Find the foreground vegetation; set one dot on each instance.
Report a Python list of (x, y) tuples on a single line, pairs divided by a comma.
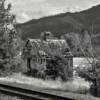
[(93, 76)]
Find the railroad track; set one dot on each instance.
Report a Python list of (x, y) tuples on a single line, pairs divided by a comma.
[(30, 94)]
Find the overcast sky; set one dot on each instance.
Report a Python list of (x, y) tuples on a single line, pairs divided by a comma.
[(30, 9)]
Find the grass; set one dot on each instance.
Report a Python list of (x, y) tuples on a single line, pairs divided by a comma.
[(77, 85), (74, 89)]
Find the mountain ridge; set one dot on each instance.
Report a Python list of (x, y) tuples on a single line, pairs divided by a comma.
[(63, 23)]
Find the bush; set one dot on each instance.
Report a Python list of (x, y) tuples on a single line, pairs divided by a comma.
[(56, 67), (92, 76), (9, 67)]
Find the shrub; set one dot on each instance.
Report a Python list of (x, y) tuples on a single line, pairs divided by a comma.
[(9, 67), (93, 76)]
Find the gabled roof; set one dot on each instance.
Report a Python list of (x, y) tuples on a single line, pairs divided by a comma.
[(56, 42), (48, 47)]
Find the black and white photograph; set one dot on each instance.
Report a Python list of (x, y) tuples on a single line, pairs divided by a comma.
[(49, 49)]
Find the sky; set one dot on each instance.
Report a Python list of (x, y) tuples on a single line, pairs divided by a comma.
[(26, 10)]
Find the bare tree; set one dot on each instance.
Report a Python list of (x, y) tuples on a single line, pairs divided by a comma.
[(92, 75)]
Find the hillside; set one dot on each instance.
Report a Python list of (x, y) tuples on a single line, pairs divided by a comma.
[(63, 23)]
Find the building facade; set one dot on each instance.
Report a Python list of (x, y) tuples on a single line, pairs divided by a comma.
[(37, 53)]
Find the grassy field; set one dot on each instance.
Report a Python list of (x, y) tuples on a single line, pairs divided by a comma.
[(77, 88), (77, 84)]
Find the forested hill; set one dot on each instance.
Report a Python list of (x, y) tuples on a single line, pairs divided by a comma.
[(63, 23)]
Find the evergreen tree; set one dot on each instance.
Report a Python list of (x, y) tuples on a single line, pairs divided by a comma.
[(9, 38)]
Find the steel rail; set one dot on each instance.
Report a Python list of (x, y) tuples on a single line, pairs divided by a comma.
[(31, 94)]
